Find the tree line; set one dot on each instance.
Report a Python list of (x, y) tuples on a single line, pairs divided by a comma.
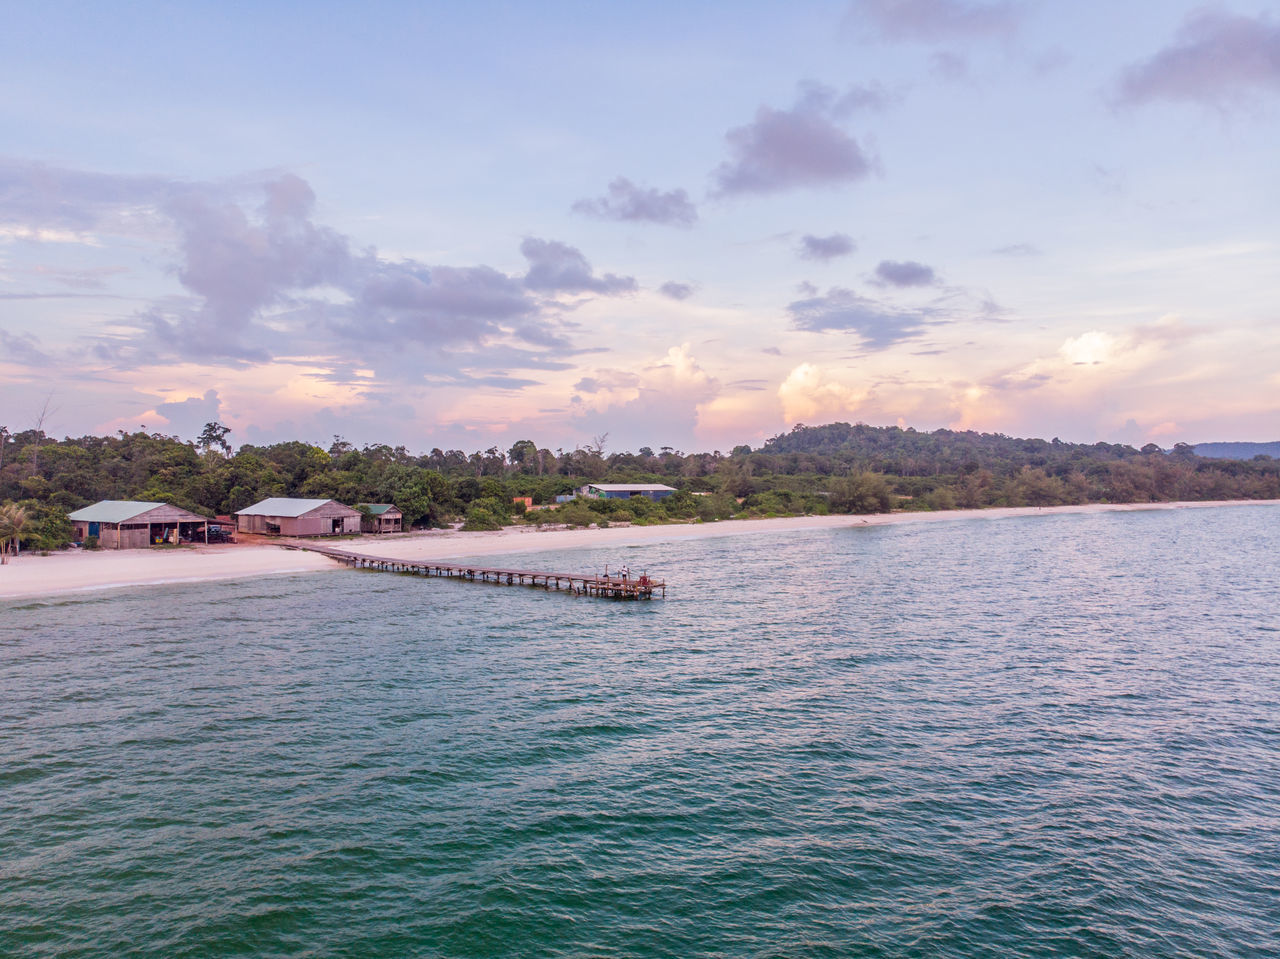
[(836, 467)]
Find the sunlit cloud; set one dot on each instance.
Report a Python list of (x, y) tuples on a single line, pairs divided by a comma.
[(810, 393)]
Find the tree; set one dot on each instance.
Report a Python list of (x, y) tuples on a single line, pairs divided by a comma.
[(13, 520), (523, 454), (861, 493), (215, 434)]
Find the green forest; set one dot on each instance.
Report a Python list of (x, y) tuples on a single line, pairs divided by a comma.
[(836, 468)]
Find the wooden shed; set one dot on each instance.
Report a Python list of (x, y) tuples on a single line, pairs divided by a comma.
[(381, 518), (281, 516), (129, 524)]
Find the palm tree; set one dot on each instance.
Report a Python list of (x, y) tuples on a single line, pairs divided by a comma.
[(13, 519)]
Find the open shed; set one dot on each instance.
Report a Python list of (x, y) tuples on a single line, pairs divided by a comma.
[(282, 516), (130, 524)]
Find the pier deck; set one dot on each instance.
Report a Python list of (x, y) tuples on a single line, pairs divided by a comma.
[(604, 587)]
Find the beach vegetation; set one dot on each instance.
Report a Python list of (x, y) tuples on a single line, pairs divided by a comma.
[(836, 468), (13, 520)]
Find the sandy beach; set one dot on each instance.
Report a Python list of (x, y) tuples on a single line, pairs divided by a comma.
[(32, 575)]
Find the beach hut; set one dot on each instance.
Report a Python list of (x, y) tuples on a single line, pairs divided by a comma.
[(282, 516), (654, 491), (380, 518), (131, 524)]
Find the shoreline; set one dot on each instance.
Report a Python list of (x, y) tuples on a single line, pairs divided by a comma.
[(31, 576)]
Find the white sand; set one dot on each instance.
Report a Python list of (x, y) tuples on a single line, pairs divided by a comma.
[(443, 545), (76, 570), (33, 575)]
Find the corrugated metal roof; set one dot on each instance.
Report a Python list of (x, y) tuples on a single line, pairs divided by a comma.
[(112, 511), (284, 506), (377, 509), (637, 487)]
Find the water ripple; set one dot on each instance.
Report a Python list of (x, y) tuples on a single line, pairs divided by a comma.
[(1046, 737)]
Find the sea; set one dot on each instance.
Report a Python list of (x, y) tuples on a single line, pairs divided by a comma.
[(1052, 735)]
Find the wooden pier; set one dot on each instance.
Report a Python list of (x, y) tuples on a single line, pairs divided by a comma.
[(603, 587)]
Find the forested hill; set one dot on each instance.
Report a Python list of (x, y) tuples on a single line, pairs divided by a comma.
[(1237, 451), (889, 449)]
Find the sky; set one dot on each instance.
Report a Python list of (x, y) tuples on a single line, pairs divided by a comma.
[(683, 224)]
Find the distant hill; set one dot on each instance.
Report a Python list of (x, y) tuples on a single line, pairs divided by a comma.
[(1237, 451), (942, 447)]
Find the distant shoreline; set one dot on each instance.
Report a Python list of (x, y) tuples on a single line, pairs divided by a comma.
[(31, 576)]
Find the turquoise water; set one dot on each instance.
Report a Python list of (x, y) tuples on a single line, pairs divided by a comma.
[(1052, 736)]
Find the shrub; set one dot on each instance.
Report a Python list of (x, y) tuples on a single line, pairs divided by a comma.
[(479, 519)]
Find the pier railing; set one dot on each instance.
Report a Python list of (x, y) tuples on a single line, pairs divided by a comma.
[(580, 584)]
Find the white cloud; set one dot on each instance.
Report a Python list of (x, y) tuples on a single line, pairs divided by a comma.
[(809, 393)]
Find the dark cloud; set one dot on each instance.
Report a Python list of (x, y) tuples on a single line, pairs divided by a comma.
[(440, 305), (826, 247), (556, 267), (772, 351), (932, 21), (1217, 58), (626, 201), (800, 147), (904, 273), (676, 291), (842, 310)]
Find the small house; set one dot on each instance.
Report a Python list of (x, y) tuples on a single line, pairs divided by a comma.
[(282, 516), (132, 524), (380, 518), (654, 491)]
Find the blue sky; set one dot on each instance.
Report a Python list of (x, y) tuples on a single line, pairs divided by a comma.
[(679, 224)]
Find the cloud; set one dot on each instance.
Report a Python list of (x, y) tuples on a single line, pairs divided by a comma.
[(443, 305), (24, 349), (787, 149), (809, 392), (1092, 348), (187, 418), (240, 266), (932, 21), (947, 65), (1217, 58), (676, 291), (556, 267), (842, 310), (607, 381), (659, 406), (1018, 249), (903, 273), (261, 279), (52, 203), (628, 202), (826, 247)]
